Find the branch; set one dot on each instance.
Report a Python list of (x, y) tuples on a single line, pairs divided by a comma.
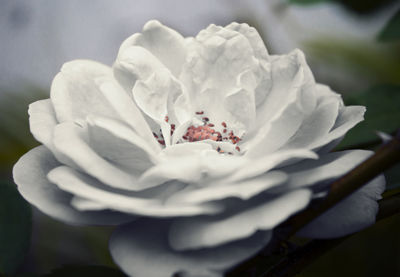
[(385, 157), (303, 256)]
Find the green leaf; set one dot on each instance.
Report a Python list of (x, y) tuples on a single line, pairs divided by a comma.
[(15, 228), (383, 114), (391, 31), (85, 270)]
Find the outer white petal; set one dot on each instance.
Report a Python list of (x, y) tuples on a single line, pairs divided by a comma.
[(195, 168), (84, 186), (319, 122), (328, 167), (255, 167), (30, 176), (352, 214), (164, 43), (141, 249), (42, 120), (348, 117), (199, 232), (242, 189), (70, 140), (120, 144), (75, 94)]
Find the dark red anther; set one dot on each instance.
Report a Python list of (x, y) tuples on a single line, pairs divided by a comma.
[(206, 119), (173, 126), (162, 142), (224, 130), (166, 118), (223, 124), (200, 112), (154, 134), (237, 148), (210, 125)]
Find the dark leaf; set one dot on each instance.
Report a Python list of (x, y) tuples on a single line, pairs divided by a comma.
[(85, 270), (15, 228), (383, 114), (391, 31)]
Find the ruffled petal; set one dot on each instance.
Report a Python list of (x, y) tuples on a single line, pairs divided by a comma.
[(196, 168), (243, 190), (351, 215), (253, 37), (42, 121), (141, 249), (157, 97), (75, 93), (255, 167), (199, 232), (124, 105), (119, 144), (134, 63), (319, 122), (30, 176), (327, 168), (71, 141), (348, 117), (164, 43), (87, 187), (289, 74)]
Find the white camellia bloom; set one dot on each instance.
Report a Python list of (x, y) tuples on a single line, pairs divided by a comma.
[(200, 145)]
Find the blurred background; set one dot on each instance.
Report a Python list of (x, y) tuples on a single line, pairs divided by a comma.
[(353, 46)]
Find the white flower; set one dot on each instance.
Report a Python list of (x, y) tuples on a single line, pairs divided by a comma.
[(203, 144)]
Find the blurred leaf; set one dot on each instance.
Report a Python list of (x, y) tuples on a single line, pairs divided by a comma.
[(391, 31), (16, 226), (356, 6), (15, 137), (383, 114), (85, 270), (365, 6), (373, 63)]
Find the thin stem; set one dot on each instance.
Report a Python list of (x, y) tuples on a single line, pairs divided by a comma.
[(303, 256), (385, 157)]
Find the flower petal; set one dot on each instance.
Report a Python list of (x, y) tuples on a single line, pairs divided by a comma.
[(198, 232), (348, 117), (157, 95), (75, 94), (164, 43), (141, 249), (42, 121), (255, 167), (328, 167), (70, 140), (30, 176), (124, 105), (319, 122), (84, 186), (134, 63), (352, 214), (243, 189), (119, 144), (254, 38)]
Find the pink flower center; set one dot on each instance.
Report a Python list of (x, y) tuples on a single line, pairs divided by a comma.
[(204, 132)]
